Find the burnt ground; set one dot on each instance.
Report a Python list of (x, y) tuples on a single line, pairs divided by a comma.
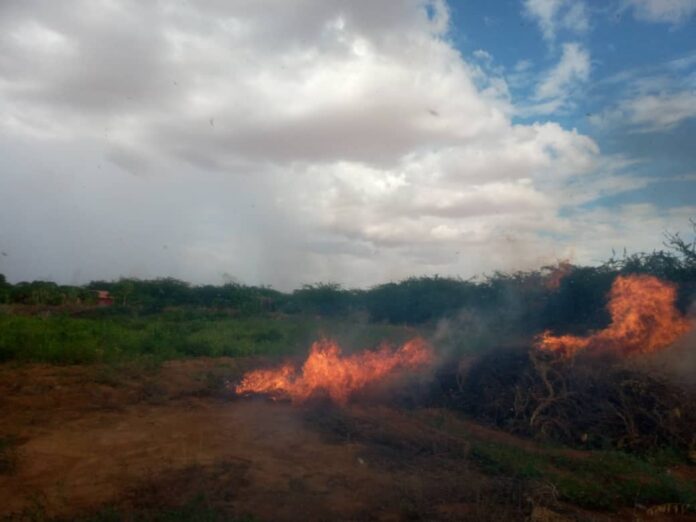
[(138, 439)]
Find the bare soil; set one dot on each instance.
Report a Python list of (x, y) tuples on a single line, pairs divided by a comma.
[(93, 436), (136, 437)]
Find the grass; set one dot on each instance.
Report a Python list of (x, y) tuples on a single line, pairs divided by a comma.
[(175, 334), (502, 459), (598, 480)]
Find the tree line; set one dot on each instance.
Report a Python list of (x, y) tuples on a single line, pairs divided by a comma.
[(527, 298)]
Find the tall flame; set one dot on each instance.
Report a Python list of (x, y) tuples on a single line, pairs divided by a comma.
[(644, 319), (339, 376)]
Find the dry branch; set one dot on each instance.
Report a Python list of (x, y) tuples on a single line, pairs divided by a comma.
[(585, 401)]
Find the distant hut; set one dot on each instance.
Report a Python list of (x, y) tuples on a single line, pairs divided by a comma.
[(104, 298)]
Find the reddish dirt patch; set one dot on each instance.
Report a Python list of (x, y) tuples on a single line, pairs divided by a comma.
[(93, 459), (137, 437), (85, 443)]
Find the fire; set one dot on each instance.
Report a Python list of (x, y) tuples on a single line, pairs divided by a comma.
[(339, 376), (644, 319)]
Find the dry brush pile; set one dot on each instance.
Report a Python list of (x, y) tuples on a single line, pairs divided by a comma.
[(586, 401)]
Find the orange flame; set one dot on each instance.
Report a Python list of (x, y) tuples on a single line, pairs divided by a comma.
[(643, 320), (325, 369)]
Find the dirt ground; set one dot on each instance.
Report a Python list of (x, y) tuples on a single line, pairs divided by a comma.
[(142, 437), (93, 436)]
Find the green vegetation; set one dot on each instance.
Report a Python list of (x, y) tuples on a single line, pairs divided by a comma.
[(175, 334), (166, 318), (600, 480)]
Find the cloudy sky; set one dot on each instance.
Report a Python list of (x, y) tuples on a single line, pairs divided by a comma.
[(285, 142)]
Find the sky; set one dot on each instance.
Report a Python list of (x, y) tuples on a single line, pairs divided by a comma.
[(283, 143)]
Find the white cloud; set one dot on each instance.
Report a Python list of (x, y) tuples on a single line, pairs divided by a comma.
[(576, 18), (557, 86), (650, 112), (651, 99), (591, 236), (574, 66), (333, 140), (523, 65), (661, 112), (545, 13), (663, 11), (555, 15), (483, 55)]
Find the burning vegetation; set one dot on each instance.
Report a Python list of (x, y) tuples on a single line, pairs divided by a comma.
[(583, 391), (421, 424), (578, 390), (644, 319), (327, 371)]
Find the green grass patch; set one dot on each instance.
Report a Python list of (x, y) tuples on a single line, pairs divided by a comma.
[(501, 459), (175, 334), (598, 480)]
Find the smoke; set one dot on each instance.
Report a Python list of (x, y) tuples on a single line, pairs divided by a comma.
[(471, 332), (463, 333), (679, 361)]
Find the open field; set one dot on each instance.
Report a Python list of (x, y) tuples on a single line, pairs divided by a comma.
[(170, 442), (59, 338), (564, 394)]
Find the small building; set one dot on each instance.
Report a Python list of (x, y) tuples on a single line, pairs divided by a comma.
[(104, 298)]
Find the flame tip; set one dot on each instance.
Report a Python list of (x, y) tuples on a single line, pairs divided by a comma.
[(644, 319)]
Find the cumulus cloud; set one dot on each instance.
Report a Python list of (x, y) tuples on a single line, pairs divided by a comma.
[(331, 140), (555, 15), (663, 11)]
